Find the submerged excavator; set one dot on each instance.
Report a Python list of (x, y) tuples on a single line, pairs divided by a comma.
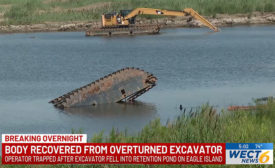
[(124, 21)]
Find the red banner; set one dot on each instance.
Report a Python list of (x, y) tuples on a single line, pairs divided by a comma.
[(109, 153)]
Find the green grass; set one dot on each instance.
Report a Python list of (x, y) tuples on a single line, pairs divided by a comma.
[(206, 126), (2, 9), (39, 11), (203, 125), (10, 1)]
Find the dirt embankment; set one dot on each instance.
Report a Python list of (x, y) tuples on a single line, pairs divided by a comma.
[(221, 20)]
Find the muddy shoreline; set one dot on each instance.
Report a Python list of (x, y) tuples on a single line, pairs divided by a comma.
[(220, 20)]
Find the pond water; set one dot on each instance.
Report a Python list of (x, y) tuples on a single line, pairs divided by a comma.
[(193, 67)]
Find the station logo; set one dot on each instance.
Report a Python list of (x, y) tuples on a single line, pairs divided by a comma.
[(249, 153)]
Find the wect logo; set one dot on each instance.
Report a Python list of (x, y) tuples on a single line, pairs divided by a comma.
[(249, 153), (250, 156)]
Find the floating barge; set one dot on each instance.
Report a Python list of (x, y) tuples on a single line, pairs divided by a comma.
[(262, 102), (132, 30), (123, 85)]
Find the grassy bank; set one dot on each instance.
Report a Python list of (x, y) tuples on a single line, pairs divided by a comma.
[(41, 11), (204, 125)]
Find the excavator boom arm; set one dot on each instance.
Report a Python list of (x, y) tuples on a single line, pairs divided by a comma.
[(197, 16), (185, 12), (151, 11)]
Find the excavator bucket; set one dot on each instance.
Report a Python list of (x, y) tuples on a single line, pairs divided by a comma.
[(124, 85)]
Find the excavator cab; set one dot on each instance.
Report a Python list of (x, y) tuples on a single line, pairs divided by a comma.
[(109, 19), (117, 19)]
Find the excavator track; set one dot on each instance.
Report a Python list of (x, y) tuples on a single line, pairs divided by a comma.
[(130, 30), (123, 85)]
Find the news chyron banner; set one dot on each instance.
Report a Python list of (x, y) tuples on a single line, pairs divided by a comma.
[(74, 149)]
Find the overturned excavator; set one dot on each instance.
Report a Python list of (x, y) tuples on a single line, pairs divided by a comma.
[(124, 85), (124, 21)]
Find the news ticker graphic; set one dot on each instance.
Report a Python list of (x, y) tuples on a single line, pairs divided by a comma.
[(74, 149)]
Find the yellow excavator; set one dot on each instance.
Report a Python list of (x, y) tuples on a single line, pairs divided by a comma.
[(124, 21)]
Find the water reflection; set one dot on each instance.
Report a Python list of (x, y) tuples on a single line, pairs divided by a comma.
[(133, 110), (93, 119)]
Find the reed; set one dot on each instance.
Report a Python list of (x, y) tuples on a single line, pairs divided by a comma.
[(39, 11), (204, 125)]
